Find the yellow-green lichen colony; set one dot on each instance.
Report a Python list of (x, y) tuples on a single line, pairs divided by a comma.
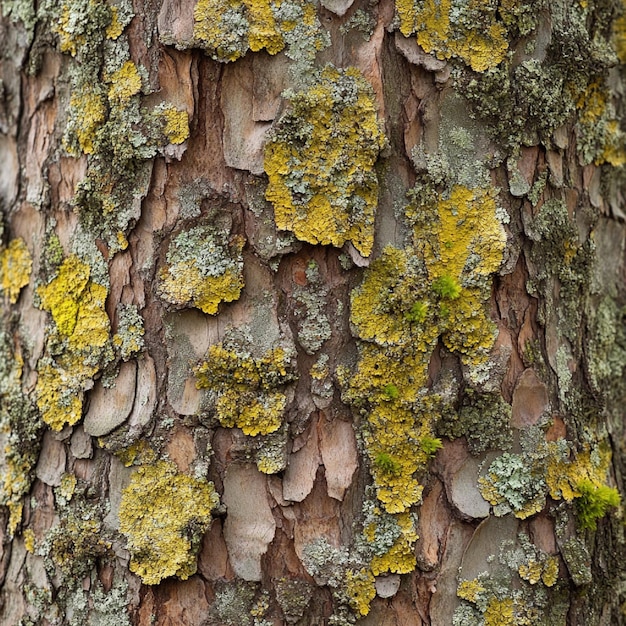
[(78, 342), (15, 268), (249, 391), (320, 162), (203, 269), (473, 32), (163, 514)]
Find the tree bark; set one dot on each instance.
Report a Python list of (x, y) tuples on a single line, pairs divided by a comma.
[(312, 312)]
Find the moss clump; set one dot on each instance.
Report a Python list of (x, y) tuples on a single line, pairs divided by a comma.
[(320, 162), (594, 502), (203, 269), (78, 342), (181, 504), (249, 391), (15, 268)]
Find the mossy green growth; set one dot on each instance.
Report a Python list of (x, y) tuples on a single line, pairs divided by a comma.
[(163, 514), (78, 342), (15, 268), (203, 269), (472, 32), (320, 161), (249, 391), (594, 502), (521, 482)]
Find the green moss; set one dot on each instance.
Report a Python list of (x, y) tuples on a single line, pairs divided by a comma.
[(182, 503), (594, 502), (446, 287), (320, 161)]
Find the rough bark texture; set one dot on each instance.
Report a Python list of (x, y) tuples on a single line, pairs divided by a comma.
[(312, 313)]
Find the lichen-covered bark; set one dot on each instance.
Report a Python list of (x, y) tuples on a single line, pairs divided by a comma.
[(312, 312)]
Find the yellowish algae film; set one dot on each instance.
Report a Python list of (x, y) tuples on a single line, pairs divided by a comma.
[(203, 269), (479, 39), (250, 392), (163, 514), (320, 162), (81, 336), (15, 268)]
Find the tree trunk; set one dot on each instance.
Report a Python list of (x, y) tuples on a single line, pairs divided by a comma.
[(312, 313)]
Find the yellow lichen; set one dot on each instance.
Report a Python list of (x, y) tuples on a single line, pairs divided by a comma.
[(176, 124), (124, 83), (15, 268), (203, 269), (89, 113), (183, 283), (444, 31), (408, 300), (470, 589), (320, 162), (29, 540), (360, 590), (563, 475), (81, 323), (67, 487), (400, 558), (115, 28), (550, 572), (228, 28), (64, 28), (499, 612), (163, 514), (531, 571), (249, 391)]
